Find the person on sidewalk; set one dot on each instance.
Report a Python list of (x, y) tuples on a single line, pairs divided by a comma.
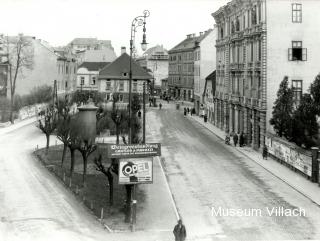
[(265, 152), (235, 139), (160, 106), (179, 231), (185, 111), (241, 140), (188, 110)]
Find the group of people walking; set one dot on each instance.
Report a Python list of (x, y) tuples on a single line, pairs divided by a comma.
[(237, 137), (188, 111)]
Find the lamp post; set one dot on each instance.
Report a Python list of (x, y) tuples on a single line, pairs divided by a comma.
[(136, 22)]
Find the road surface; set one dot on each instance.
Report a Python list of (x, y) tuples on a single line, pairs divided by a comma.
[(206, 176)]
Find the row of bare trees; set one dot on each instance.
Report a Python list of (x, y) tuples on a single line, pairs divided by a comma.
[(60, 121)]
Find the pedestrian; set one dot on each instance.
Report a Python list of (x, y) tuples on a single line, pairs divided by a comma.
[(179, 231), (235, 139), (168, 99), (265, 152), (185, 111), (160, 106), (188, 110), (241, 140)]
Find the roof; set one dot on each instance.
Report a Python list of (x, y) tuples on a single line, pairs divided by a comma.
[(84, 41), (190, 42), (118, 67), (93, 66), (211, 76), (101, 55)]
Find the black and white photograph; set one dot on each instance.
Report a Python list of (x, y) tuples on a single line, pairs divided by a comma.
[(149, 120)]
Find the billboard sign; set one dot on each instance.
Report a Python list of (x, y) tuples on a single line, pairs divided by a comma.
[(136, 171), (134, 150)]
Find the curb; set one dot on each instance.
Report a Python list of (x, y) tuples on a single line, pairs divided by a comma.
[(267, 169)]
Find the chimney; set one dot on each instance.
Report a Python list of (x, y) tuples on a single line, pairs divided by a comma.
[(123, 50), (193, 35), (200, 33), (188, 36)]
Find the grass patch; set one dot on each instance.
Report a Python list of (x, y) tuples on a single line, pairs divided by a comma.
[(96, 193)]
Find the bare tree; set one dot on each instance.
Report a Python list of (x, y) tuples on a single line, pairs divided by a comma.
[(20, 56), (48, 124)]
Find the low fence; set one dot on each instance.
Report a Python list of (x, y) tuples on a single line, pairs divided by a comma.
[(295, 157)]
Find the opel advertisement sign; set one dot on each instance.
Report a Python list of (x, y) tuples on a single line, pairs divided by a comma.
[(135, 171)]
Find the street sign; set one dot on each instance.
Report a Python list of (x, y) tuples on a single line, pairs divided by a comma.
[(133, 150), (136, 171)]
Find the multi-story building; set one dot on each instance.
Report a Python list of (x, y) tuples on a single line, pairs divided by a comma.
[(48, 65), (87, 75), (182, 59), (114, 78), (208, 93), (204, 63), (156, 60), (259, 42)]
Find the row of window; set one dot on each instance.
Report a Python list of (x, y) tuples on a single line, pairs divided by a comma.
[(185, 56), (252, 17), (66, 69), (179, 68), (121, 86), (93, 80)]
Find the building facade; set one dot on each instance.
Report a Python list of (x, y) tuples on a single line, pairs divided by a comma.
[(4, 67), (87, 75), (114, 79), (156, 60), (259, 42), (208, 94), (204, 64), (181, 69)]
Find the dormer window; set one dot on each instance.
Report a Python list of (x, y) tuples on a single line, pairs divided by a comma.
[(124, 74)]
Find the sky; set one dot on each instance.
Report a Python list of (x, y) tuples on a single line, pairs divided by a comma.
[(60, 21)]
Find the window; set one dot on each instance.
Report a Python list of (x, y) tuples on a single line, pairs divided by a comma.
[(124, 74), (108, 85), (81, 80), (296, 13), (135, 87), (259, 50), (67, 69), (93, 80), (254, 15), (121, 87), (297, 91), (297, 53), (120, 97)]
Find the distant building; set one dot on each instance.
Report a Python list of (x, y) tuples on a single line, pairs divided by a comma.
[(208, 93), (80, 44), (114, 78), (156, 60), (164, 87), (48, 65), (4, 67), (259, 42), (87, 75), (182, 66), (204, 63)]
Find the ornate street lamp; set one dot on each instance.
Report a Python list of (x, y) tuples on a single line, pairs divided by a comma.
[(137, 21)]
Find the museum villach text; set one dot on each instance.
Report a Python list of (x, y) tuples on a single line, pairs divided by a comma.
[(257, 212)]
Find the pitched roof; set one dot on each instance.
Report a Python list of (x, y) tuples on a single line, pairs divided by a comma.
[(190, 42), (211, 76), (118, 67), (93, 66), (84, 41)]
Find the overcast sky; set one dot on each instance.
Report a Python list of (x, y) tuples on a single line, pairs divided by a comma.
[(60, 21)]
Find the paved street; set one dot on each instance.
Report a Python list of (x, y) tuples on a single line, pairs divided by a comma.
[(203, 173)]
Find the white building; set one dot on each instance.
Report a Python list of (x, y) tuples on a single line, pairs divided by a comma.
[(87, 75), (204, 63), (259, 42)]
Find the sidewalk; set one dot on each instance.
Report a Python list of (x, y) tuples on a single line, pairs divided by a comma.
[(293, 179), (17, 125)]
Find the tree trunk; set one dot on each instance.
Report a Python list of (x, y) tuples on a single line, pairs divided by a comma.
[(110, 180), (85, 159), (63, 154), (72, 151), (128, 203), (11, 110), (48, 142)]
